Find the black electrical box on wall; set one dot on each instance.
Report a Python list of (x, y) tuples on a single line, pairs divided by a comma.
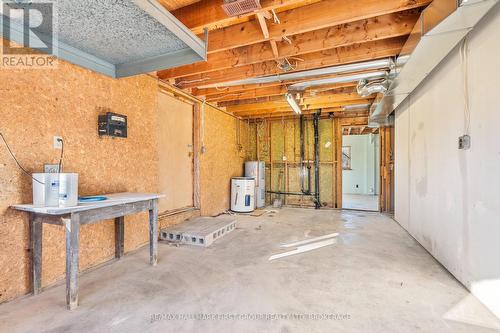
[(113, 124)]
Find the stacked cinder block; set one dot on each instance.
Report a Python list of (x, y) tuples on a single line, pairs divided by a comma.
[(201, 231)]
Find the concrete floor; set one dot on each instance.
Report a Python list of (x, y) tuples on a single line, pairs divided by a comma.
[(360, 202), (376, 279)]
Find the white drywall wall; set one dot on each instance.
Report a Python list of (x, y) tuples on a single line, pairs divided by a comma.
[(364, 171), (449, 199)]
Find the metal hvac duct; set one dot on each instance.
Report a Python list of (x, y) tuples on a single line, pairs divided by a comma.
[(441, 26), (365, 88), (356, 107), (339, 79), (360, 66)]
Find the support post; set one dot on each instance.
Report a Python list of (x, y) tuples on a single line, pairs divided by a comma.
[(153, 232), (72, 226), (196, 155), (119, 236), (36, 236), (338, 158)]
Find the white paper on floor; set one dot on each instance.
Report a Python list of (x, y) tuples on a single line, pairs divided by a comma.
[(471, 311), (310, 240), (304, 248)]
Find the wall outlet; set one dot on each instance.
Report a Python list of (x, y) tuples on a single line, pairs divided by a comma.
[(51, 168), (58, 142), (464, 142)]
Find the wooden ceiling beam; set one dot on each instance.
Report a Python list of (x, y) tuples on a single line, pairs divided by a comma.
[(310, 105), (332, 57), (257, 94), (383, 27), (304, 100), (323, 14), (257, 90), (209, 13), (287, 115)]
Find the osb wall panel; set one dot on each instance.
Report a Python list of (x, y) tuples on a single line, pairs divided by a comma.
[(35, 106), (279, 141), (167, 221), (223, 158)]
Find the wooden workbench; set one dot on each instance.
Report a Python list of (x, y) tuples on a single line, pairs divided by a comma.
[(116, 206)]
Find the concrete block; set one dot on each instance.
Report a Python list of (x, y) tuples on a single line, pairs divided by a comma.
[(201, 231)]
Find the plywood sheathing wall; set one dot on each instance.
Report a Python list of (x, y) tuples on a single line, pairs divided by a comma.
[(38, 104), (35, 106), (223, 158)]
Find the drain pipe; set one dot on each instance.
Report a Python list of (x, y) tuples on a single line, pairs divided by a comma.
[(302, 167), (316, 159)]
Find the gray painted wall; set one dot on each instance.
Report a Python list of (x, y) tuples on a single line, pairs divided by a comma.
[(449, 199)]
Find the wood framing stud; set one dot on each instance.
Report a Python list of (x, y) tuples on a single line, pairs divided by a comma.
[(274, 47), (263, 25)]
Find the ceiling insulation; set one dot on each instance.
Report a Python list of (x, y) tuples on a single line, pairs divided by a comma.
[(118, 38)]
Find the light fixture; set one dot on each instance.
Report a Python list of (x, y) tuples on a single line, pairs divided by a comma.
[(293, 103), (356, 106)]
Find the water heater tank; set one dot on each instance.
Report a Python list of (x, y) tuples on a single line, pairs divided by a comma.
[(242, 194), (257, 170)]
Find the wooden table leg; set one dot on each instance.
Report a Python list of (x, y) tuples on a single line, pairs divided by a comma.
[(72, 250), (36, 237), (119, 236), (153, 232)]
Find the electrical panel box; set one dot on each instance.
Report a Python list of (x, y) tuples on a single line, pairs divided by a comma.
[(112, 124)]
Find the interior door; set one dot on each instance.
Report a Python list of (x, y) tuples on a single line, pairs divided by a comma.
[(175, 126)]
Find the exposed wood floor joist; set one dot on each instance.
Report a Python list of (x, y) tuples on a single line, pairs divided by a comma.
[(289, 36)]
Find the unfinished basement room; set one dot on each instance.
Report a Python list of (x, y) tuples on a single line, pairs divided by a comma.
[(250, 166)]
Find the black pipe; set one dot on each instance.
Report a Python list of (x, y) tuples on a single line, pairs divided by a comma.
[(316, 159), (290, 193), (308, 178)]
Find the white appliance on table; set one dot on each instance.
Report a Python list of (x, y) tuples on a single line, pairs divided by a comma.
[(55, 189)]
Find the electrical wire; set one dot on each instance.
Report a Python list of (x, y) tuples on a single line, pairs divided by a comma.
[(202, 130), (17, 162), (59, 169), (464, 62)]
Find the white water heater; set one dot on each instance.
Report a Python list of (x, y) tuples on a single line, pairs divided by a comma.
[(257, 170), (242, 194)]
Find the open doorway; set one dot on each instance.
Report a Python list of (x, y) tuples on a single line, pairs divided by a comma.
[(360, 168)]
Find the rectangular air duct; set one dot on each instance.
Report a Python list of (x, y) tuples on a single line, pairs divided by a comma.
[(115, 38), (442, 25)]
